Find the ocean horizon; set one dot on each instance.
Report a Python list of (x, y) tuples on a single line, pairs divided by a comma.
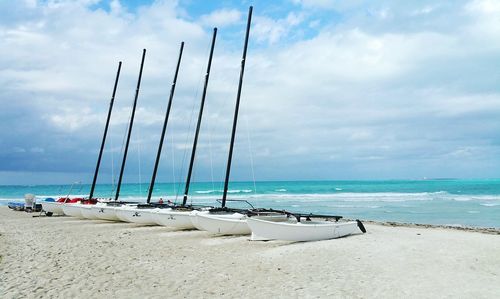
[(456, 202)]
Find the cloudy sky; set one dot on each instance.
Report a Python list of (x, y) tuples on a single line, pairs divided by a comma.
[(333, 89)]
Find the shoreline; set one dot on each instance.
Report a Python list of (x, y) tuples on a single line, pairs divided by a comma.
[(483, 230), (68, 257)]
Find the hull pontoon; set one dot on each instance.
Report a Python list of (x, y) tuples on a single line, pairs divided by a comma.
[(88, 212), (133, 214), (289, 230), (52, 207), (72, 209), (178, 219), (105, 212), (224, 224)]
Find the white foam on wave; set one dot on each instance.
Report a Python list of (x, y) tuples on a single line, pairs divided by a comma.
[(206, 191), (240, 191), (490, 204), (377, 197), (213, 195), (281, 190), (339, 189), (354, 206)]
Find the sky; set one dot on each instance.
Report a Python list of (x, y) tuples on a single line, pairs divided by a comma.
[(333, 90)]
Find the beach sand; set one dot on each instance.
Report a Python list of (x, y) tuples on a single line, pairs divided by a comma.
[(64, 257)]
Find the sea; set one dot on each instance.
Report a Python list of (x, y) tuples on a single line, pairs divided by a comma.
[(466, 203)]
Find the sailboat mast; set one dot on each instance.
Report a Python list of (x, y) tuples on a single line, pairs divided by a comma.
[(130, 126), (193, 153), (158, 154), (235, 120), (92, 188)]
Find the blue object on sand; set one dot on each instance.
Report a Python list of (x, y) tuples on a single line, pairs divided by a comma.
[(18, 206)]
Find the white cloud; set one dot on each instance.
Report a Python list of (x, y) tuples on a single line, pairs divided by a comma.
[(328, 4), (221, 18), (485, 6), (424, 10), (273, 30)]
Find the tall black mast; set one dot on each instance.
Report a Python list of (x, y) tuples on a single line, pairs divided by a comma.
[(105, 131), (207, 75), (130, 127), (158, 154), (235, 120)]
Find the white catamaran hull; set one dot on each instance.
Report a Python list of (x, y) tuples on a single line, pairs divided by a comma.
[(174, 218), (194, 219), (135, 215), (224, 224), (300, 231), (87, 212), (52, 207), (72, 209), (104, 212)]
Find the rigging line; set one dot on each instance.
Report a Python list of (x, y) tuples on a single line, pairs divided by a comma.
[(173, 161), (181, 174), (250, 151), (111, 150), (210, 153), (112, 165), (186, 145), (139, 159), (123, 145)]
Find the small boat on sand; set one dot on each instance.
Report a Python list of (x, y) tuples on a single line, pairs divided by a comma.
[(145, 213), (179, 216), (52, 206), (302, 228), (134, 214), (223, 220)]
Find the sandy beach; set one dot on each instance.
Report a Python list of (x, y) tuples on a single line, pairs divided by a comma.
[(63, 257)]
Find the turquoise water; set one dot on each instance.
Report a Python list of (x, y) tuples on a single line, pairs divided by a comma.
[(450, 202)]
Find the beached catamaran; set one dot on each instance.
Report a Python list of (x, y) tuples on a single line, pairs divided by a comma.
[(71, 206), (52, 206), (268, 224), (223, 220), (179, 216), (87, 210), (107, 210), (143, 213)]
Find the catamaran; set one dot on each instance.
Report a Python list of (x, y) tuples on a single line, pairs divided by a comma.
[(63, 205), (88, 211), (223, 220), (144, 213), (179, 216), (52, 206), (268, 224), (303, 227), (122, 210), (81, 207)]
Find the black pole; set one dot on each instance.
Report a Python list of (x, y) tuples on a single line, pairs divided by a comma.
[(235, 120), (193, 153), (158, 154), (130, 127), (92, 188)]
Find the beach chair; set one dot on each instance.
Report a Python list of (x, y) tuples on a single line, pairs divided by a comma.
[(29, 202)]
